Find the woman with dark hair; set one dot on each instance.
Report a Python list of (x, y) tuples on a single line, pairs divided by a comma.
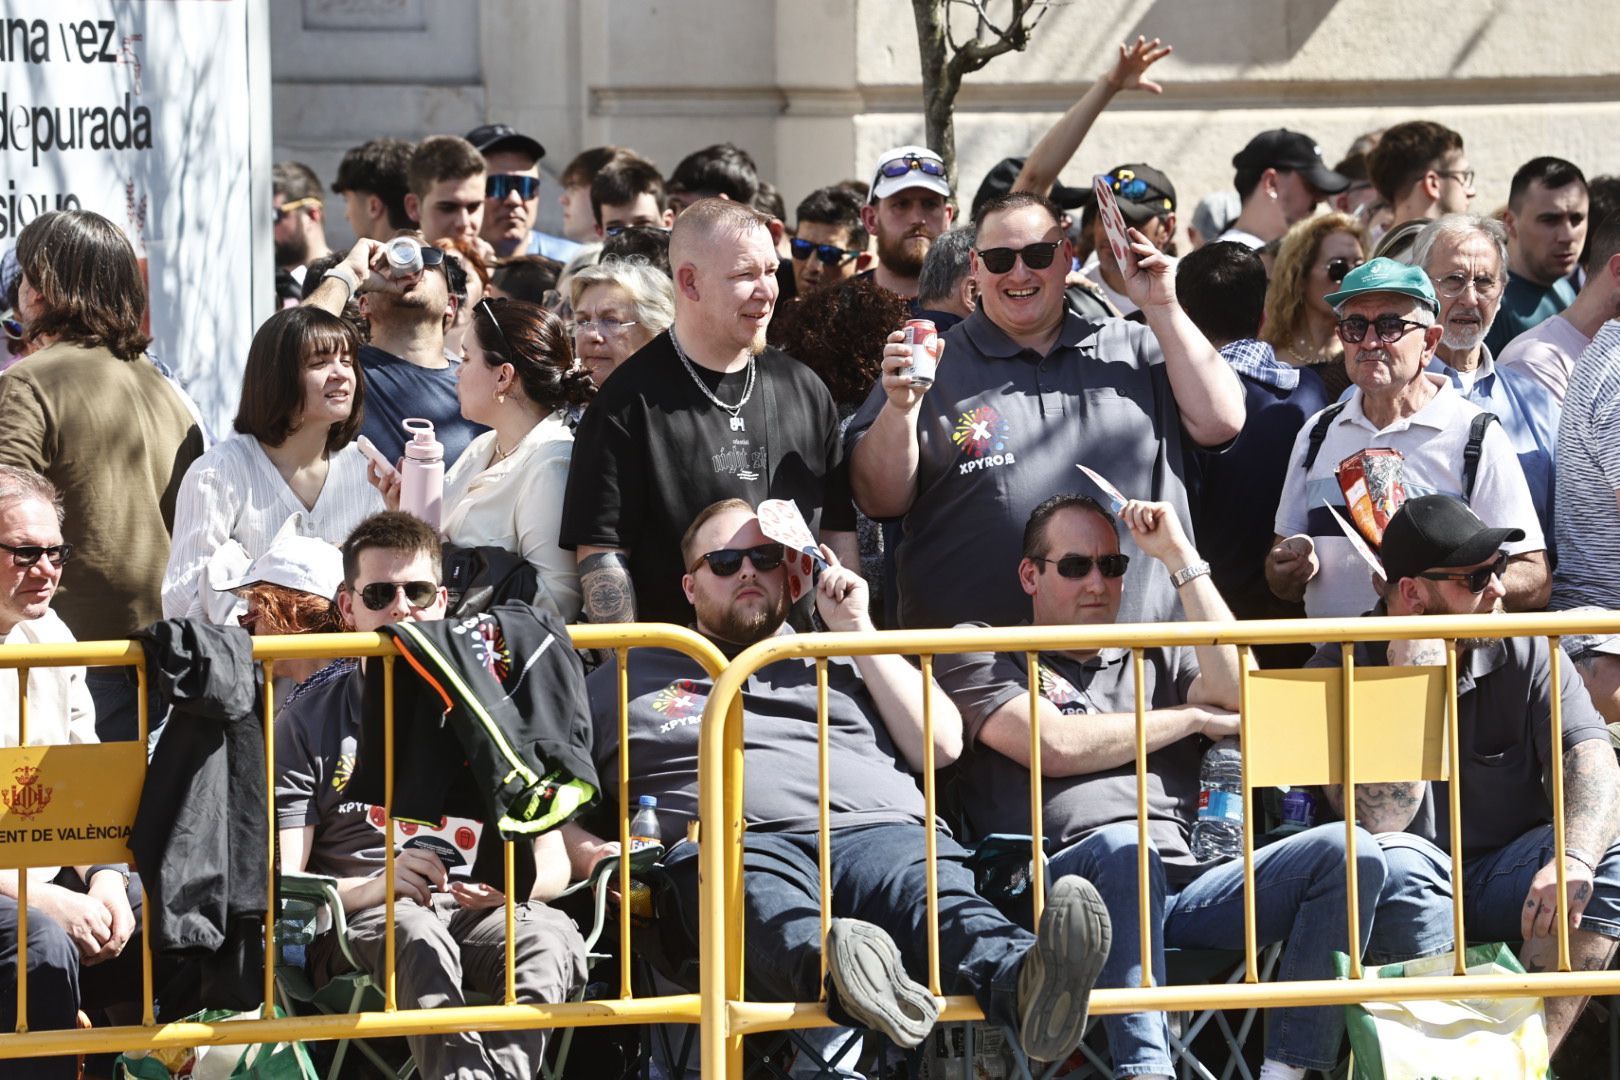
[(292, 454), (518, 378)]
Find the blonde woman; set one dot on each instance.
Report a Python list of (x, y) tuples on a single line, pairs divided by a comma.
[(1315, 256)]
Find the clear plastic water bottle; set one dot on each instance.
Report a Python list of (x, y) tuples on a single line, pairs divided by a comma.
[(644, 826), (1218, 832)]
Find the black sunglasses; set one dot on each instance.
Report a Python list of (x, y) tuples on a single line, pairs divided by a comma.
[(1035, 256), (380, 594), (619, 229), (29, 554), (831, 254), (501, 185), (1476, 580), (901, 166), (1389, 328), (1078, 566), (727, 561), (1338, 267)]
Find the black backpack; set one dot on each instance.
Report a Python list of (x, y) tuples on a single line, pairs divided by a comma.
[(1471, 449), (478, 578)]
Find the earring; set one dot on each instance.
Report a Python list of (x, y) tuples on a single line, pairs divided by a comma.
[(500, 399)]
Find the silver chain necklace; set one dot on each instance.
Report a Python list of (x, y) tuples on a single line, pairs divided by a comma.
[(733, 411)]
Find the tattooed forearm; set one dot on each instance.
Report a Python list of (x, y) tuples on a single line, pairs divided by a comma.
[(1591, 795), (604, 579), (1380, 807)]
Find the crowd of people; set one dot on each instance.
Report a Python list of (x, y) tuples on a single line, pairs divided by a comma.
[(615, 403)]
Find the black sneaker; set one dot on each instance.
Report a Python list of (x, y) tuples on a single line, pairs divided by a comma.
[(873, 986), (1055, 979)]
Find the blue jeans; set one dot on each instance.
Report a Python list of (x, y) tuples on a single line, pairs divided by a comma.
[(879, 874), (1299, 900)]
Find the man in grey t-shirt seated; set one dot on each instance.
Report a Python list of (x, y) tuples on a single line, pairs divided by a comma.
[(449, 926), (736, 579), (1073, 572)]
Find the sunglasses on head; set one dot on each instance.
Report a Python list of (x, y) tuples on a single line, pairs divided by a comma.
[(831, 254), (1338, 267), (296, 204), (1128, 186), (1389, 328), (29, 554), (1035, 256), (379, 595), (901, 166), (727, 561), (1078, 566), (1475, 581), (501, 185), (489, 312)]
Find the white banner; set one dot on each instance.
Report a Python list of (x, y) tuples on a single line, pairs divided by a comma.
[(155, 114)]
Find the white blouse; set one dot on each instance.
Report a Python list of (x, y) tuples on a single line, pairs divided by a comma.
[(516, 504), (233, 492)]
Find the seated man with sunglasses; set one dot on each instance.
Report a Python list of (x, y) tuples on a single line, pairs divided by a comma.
[(1441, 559), (1074, 573), (449, 929), (1037, 985), (1388, 314)]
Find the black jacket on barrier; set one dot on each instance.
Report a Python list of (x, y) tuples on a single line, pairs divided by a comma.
[(200, 833), (516, 750)]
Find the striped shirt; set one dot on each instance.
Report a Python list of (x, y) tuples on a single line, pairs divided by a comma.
[(1587, 517)]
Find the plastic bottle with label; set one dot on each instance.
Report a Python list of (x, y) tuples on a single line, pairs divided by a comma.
[(644, 826), (421, 486), (1218, 832)]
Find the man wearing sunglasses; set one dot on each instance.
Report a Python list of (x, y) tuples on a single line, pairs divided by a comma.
[(1441, 559), (1387, 321), (908, 206), (512, 194), (1073, 572), (830, 240), (452, 926), (1035, 984)]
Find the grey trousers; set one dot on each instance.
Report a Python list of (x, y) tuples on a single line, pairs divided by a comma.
[(444, 950)]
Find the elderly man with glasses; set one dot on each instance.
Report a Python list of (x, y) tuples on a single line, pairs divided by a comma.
[(1388, 314)]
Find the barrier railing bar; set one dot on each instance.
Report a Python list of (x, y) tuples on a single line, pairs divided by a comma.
[(1251, 964), (1555, 689), (622, 683), (388, 834), (1143, 911), (930, 841), (1352, 898), (1454, 809), (1037, 827), (823, 827), (22, 872), (143, 721), (510, 870), (269, 1005)]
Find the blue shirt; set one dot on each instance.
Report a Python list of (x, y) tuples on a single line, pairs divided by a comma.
[(397, 389), (552, 247)]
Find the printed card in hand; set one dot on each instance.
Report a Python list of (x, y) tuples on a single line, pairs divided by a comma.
[(1113, 221), (780, 520), (1116, 501), (1357, 542)]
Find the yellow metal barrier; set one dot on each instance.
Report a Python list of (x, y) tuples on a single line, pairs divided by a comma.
[(726, 1014), (109, 776)]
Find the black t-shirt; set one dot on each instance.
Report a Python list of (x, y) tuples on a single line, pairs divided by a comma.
[(652, 451)]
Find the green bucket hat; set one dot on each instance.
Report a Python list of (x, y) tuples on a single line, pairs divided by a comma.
[(1385, 275)]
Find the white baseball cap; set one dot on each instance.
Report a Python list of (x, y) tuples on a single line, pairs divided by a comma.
[(306, 563), (909, 167)]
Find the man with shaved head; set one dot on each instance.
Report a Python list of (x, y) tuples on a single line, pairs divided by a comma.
[(704, 412)]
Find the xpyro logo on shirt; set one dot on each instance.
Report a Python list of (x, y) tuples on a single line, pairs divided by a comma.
[(681, 702), (982, 435)]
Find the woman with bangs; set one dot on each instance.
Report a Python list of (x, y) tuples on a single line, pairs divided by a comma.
[(1315, 256), (293, 454)]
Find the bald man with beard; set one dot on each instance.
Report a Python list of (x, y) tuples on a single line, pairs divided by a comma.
[(704, 412)]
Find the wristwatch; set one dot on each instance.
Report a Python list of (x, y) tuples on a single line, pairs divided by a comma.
[(345, 275), (1188, 572)]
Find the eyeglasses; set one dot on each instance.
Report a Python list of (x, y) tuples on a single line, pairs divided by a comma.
[(1079, 566), (1475, 581), (831, 254), (727, 561), (501, 185), (1389, 328), (1452, 285), (1035, 256), (288, 207), (1465, 177), (1338, 267), (909, 163), (603, 325), (618, 227), (379, 595), (1127, 185), (29, 554)]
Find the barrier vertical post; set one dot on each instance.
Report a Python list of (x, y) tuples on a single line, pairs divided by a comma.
[(823, 830), (388, 834), (1037, 873), (508, 853), (1251, 964), (622, 684), (22, 872), (1352, 898), (143, 722), (1143, 911), (930, 839), (1556, 742), (1454, 809), (269, 1007)]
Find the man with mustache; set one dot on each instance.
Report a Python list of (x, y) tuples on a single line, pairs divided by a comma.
[(909, 205)]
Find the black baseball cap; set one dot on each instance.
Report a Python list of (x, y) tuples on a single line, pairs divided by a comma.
[(1438, 532), (999, 181), (494, 138), (1284, 149), (1142, 192)]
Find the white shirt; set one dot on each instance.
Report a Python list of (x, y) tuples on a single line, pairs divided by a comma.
[(1242, 236), (1431, 442), (1546, 353), (233, 492), (516, 504), (1093, 271)]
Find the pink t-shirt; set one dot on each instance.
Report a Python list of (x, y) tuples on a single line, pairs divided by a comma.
[(1546, 353)]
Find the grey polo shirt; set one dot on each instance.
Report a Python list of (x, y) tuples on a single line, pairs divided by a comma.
[(1003, 428), (1504, 716)]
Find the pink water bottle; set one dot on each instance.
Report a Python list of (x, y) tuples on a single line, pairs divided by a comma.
[(421, 489)]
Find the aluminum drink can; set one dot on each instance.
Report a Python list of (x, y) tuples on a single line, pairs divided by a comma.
[(404, 256), (922, 336)]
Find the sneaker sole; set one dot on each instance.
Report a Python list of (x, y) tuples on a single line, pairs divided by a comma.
[(873, 986), (1055, 980)]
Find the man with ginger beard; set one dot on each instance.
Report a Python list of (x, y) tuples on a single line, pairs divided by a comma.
[(703, 412), (910, 205)]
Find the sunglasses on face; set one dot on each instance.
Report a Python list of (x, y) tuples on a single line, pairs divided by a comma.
[(1338, 267), (727, 561), (1389, 328), (29, 554), (830, 254), (1035, 256), (1079, 566), (379, 595), (1475, 581), (286, 208), (501, 185), (901, 166)]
